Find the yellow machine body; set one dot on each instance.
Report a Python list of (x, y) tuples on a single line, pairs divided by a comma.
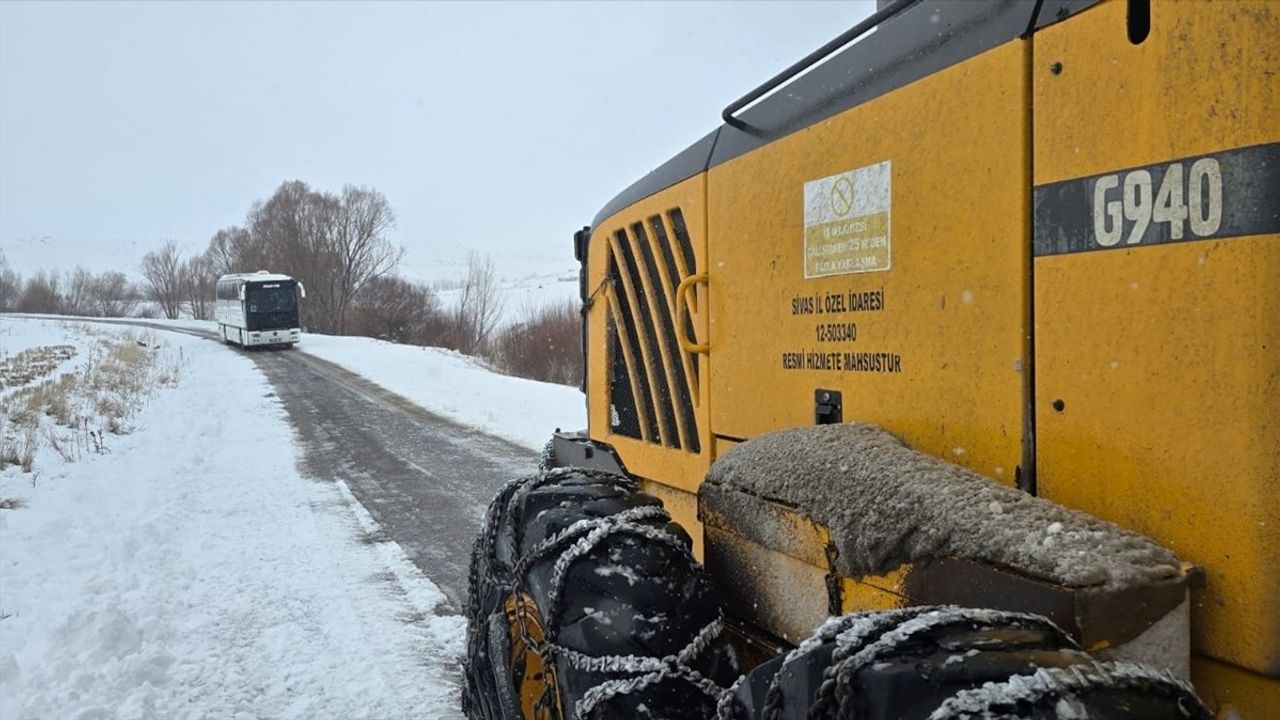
[(1055, 262)]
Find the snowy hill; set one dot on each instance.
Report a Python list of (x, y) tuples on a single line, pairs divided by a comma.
[(30, 255)]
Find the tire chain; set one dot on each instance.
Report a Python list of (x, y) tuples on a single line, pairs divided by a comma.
[(727, 706), (857, 648), (547, 457), (586, 534), (1048, 682), (828, 632), (861, 638)]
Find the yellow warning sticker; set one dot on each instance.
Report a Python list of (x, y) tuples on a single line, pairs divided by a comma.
[(846, 222)]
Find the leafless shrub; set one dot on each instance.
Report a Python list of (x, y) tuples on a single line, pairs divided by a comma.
[(392, 308), (546, 344), (66, 452), (41, 294), (10, 449), (27, 452), (8, 453)]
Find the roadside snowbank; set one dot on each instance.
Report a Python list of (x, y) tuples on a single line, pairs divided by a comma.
[(192, 572), (459, 387)]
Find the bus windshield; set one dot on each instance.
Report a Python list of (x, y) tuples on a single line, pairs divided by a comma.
[(269, 298)]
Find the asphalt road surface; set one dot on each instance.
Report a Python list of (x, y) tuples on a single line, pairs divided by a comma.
[(426, 480)]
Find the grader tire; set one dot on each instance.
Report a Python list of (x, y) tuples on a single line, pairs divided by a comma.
[(585, 602), (948, 663)]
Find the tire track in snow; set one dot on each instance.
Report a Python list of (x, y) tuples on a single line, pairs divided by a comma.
[(424, 480)]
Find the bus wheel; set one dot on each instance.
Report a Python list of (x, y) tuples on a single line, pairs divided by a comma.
[(585, 602), (948, 663)]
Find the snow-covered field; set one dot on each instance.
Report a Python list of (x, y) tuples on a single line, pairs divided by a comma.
[(168, 578), (16, 336)]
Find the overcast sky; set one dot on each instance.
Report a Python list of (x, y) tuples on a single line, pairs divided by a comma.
[(495, 126)]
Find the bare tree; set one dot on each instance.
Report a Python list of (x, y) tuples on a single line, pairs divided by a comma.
[(165, 279), (10, 286), (335, 244), (479, 307), (77, 298), (228, 250), (299, 230), (363, 252), (114, 295), (199, 286), (278, 231)]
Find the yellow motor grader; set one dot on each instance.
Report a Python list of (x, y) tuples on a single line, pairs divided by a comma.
[(941, 380)]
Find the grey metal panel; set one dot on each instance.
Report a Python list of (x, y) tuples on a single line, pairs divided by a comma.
[(924, 39), (1057, 10), (575, 449), (689, 162)]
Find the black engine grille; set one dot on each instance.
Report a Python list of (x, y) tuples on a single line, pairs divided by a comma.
[(652, 381)]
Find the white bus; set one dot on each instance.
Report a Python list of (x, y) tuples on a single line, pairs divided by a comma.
[(259, 309)]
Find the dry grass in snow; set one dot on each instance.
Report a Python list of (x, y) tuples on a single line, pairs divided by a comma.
[(75, 412)]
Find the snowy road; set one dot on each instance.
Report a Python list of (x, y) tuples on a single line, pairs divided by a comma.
[(424, 479), (192, 567)]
